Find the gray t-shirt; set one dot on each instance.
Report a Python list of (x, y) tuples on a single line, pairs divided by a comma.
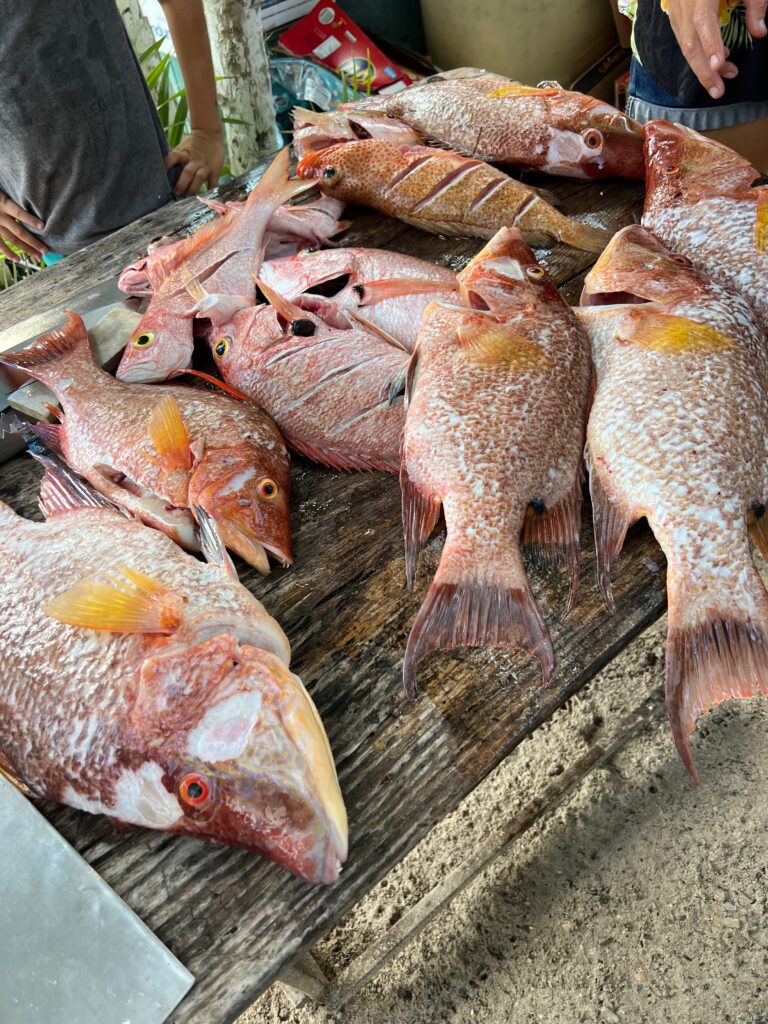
[(81, 145)]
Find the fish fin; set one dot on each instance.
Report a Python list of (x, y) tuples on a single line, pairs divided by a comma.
[(169, 435), (451, 228), (373, 328), (516, 89), (61, 490), (579, 235), (212, 543), (274, 187), (221, 384), (394, 387), (9, 772), (213, 204), (673, 335), (344, 461), (51, 435), (373, 292), (288, 310), (553, 535), (470, 604), (611, 523), (65, 342), (420, 513), (192, 285), (758, 532), (125, 601), (492, 344), (761, 221)]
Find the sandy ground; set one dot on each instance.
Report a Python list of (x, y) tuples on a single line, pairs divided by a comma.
[(642, 899)]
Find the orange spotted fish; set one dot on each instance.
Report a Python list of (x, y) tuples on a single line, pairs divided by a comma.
[(546, 129), (443, 192), (700, 202), (494, 432), (677, 435), (158, 451), (141, 683)]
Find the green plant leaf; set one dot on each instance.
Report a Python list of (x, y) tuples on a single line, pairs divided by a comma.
[(143, 57), (157, 72), (235, 120)]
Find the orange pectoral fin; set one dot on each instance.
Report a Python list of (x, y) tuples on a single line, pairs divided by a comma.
[(169, 435), (493, 344), (761, 223), (673, 335), (373, 292), (124, 602), (517, 89)]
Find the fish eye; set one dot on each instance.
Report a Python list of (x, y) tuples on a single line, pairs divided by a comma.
[(194, 789), (671, 168), (536, 271), (143, 340), (221, 348), (303, 328), (331, 174), (682, 260), (268, 488), (593, 138)]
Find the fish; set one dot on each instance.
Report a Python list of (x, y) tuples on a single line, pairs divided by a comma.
[(336, 394), (700, 202), (443, 192), (388, 289), (677, 435), (290, 229), (143, 684), (159, 451), (496, 392), (313, 131), (546, 129), (225, 253)]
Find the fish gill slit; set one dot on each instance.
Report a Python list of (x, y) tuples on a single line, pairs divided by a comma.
[(485, 193), (326, 379), (453, 177)]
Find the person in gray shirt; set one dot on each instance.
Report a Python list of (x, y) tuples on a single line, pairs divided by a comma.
[(82, 150)]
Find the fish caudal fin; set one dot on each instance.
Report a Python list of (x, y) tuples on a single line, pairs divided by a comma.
[(541, 224), (717, 645), (552, 535), (470, 605), (275, 187), (44, 358), (610, 523), (583, 236)]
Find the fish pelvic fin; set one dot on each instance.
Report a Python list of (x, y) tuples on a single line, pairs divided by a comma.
[(125, 601), (420, 513), (44, 358), (552, 535), (611, 522), (469, 606)]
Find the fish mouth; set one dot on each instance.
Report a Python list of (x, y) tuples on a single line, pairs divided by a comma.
[(243, 544), (611, 299), (143, 373)]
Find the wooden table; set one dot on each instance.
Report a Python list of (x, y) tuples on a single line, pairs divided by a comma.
[(234, 920)]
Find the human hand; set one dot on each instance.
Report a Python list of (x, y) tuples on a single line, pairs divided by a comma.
[(11, 230), (697, 29), (201, 156)]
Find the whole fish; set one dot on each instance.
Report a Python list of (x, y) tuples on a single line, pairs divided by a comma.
[(494, 432), (225, 253), (677, 434), (334, 393), (145, 685), (443, 192), (314, 131), (545, 129), (290, 229), (158, 451), (387, 288), (699, 202)]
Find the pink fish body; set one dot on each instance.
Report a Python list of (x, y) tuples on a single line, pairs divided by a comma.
[(443, 192), (677, 434), (388, 289), (145, 685), (158, 451), (497, 401), (699, 202), (545, 129), (315, 131)]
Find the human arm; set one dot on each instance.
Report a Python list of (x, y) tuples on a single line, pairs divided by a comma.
[(697, 30), (201, 153), (12, 220)]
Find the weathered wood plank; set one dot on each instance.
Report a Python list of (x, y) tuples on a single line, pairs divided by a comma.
[(233, 920)]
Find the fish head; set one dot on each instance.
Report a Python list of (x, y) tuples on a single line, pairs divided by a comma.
[(246, 488), (134, 280), (161, 346), (592, 139), (636, 267), (317, 131), (684, 167), (505, 274), (248, 332), (242, 753), (352, 170)]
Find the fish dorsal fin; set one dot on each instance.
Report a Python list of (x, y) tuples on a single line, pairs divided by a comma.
[(211, 542), (515, 89), (672, 335), (761, 221), (125, 601), (9, 772), (495, 344), (169, 435), (372, 292), (373, 328)]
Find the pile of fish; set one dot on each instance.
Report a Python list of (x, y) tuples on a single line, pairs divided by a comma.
[(160, 692)]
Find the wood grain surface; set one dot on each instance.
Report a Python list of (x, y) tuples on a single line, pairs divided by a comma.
[(230, 917)]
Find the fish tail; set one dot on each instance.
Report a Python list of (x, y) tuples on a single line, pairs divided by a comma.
[(44, 358), (476, 602), (717, 638), (275, 187), (582, 236), (541, 224)]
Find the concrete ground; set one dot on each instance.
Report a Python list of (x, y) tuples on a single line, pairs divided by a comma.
[(642, 900)]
